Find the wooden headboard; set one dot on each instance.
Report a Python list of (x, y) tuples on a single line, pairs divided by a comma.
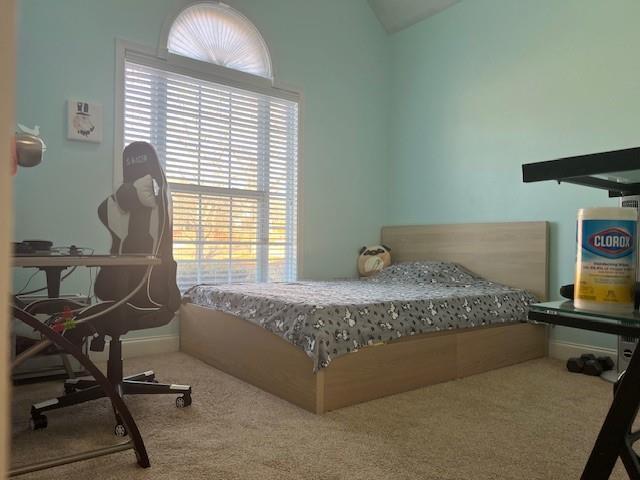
[(514, 254)]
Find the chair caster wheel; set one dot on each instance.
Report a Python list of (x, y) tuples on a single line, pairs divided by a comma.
[(68, 389), (183, 400), (120, 430), (38, 422)]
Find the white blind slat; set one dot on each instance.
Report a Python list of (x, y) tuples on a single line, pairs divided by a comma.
[(244, 144)]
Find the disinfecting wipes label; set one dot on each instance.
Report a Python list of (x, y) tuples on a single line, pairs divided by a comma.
[(605, 267)]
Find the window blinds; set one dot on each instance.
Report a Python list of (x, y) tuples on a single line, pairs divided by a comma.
[(230, 156)]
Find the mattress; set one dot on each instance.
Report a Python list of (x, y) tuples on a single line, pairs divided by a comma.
[(330, 319)]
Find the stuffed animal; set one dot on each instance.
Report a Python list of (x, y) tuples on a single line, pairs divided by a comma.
[(373, 258)]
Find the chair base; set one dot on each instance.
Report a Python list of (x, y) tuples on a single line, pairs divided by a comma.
[(81, 390)]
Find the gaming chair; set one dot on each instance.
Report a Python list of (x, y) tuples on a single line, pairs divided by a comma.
[(138, 217)]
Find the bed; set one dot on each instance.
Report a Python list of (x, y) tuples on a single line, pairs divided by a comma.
[(326, 345)]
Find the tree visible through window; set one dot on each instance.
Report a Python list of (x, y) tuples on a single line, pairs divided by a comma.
[(230, 155)]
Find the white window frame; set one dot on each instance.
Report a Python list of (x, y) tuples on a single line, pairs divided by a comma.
[(162, 59)]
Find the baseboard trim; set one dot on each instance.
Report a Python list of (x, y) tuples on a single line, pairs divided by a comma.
[(141, 346), (565, 350)]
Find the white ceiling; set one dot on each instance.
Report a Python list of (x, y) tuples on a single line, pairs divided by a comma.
[(398, 14)]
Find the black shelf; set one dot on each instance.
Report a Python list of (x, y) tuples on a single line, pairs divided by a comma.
[(617, 171), (564, 313)]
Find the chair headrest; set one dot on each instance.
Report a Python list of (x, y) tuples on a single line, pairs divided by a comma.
[(139, 194), (140, 159)]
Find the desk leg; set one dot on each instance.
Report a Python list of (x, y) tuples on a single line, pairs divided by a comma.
[(54, 274), (614, 437), (101, 380)]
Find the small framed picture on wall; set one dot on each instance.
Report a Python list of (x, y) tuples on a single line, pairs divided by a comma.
[(84, 121)]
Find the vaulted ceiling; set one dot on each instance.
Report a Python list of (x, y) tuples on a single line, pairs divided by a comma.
[(398, 14)]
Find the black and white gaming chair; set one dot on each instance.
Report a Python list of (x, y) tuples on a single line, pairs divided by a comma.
[(138, 216)]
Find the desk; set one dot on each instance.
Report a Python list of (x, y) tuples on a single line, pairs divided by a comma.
[(616, 437), (55, 264)]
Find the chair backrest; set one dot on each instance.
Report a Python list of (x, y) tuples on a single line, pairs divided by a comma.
[(138, 216)]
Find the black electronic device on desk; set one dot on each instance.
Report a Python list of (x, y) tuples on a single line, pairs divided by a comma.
[(618, 172), (26, 247)]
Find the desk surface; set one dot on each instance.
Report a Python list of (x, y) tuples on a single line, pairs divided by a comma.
[(566, 314), (62, 261)]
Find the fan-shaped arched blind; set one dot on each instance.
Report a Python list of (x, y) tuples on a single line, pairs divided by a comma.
[(216, 33)]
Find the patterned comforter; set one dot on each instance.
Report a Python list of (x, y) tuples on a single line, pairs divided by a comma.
[(329, 319)]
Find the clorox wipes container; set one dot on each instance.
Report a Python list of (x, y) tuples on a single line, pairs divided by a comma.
[(606, 259)]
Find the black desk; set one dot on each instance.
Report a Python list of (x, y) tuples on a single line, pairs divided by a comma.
[(53, 265), (617, 171), (616, 437)]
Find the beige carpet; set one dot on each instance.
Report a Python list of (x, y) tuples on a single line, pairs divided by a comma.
[(529, 421)]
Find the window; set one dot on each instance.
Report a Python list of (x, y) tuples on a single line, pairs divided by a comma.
[(230, 155), (216, 33)]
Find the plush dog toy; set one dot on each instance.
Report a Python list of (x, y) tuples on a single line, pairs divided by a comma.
[(372, 259)]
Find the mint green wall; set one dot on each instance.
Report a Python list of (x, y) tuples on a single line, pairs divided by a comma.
[(334, 51), (488, 85), (427, 125)]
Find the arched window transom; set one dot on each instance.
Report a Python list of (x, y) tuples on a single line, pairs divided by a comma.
[(216, 33)]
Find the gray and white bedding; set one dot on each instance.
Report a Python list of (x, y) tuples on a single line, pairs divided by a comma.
[(329, 319)]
